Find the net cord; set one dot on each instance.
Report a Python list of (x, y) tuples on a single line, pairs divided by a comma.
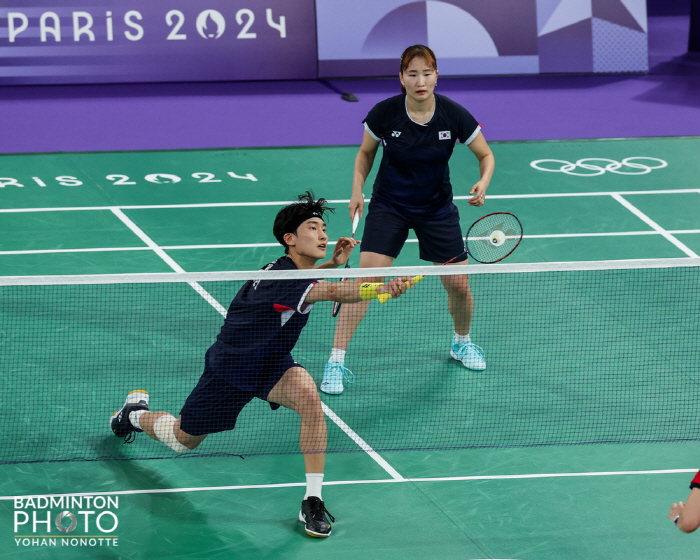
[(452, 270)]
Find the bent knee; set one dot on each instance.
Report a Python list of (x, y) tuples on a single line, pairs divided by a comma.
[(191, 443), (167, 430), (308, 401), (457, 285)]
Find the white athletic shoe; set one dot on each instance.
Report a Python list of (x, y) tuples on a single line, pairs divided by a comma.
[(333, 378), (471, 355), (120, 423)]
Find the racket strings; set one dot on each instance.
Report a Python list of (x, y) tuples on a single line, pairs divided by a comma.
[(493, 237)]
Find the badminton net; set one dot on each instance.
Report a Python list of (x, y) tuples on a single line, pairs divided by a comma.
[(577, 353)]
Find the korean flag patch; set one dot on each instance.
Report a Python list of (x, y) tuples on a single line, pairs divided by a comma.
[(444, 135)]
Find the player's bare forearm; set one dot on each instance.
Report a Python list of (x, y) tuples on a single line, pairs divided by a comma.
[(487, 165), (363, 165), (688, 514), (347, 291)]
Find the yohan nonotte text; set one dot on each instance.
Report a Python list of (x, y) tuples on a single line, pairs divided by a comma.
[(41, 520)]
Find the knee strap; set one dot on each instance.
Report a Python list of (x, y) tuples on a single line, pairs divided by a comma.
[(164, 430)]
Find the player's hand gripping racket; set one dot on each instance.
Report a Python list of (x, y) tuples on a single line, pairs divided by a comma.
[(492, 238), (383, 298), (355, 221)]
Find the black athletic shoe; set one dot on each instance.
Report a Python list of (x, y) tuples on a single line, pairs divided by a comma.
[(313, 513), (120, 423)]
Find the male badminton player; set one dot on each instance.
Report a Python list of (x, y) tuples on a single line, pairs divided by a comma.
[(687, 516), (252, 355), (418, 130)]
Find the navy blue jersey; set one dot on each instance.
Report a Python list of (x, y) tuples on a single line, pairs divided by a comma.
[(414, 177), (263, 324)]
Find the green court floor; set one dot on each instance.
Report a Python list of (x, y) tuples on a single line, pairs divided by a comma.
[(212, 210), (198, 211)]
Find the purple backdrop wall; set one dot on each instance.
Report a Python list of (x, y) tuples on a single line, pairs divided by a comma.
[(117, 41), (473, 37), (54, 41)]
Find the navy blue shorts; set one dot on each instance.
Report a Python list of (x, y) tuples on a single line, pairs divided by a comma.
[(386, 232), (214, 404)]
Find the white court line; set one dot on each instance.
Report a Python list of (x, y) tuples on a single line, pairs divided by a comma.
[(353, 482), (656, 227), (164, 247), (336, 201), (150, 206), (363, 445), (170, 262), (221, 309), (147, 240), (566, 195)]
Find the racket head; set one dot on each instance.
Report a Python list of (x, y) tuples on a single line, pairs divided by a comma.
[(492, 238)]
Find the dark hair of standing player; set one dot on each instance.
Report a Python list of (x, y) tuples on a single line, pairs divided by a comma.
[(412, 52), (291, 217)]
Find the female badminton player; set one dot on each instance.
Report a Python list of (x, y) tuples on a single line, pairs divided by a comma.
[(418, 131), (252, 355)]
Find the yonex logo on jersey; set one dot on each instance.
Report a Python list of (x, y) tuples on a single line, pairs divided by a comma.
[(395, 134), (444, 135)]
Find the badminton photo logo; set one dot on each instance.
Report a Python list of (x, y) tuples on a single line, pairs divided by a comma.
[(445, 135), (73, 521)]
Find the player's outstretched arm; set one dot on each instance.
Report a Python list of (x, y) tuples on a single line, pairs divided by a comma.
[(688, 514), (353, 291)]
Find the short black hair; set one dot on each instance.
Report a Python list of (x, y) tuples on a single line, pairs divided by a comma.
[(291, 217)]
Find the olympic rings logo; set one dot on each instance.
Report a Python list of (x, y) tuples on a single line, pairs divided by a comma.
[(591, 166)]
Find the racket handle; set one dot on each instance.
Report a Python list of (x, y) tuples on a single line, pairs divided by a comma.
[(383, 298)]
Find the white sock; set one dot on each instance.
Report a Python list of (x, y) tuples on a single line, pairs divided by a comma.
[(462, 338), (314, 484), (135, 417), (337, 356)]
